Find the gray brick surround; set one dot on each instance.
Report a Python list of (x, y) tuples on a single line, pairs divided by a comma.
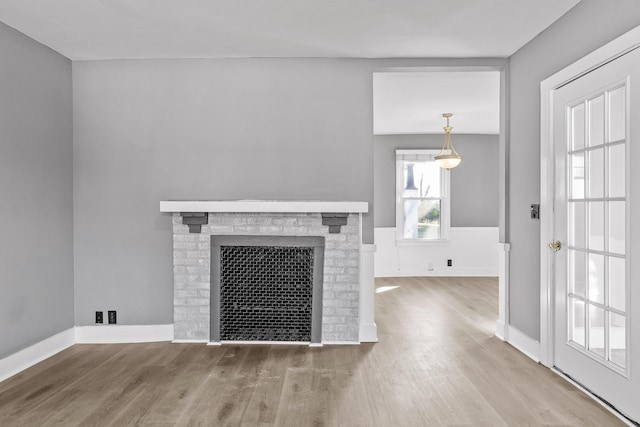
[(192, 257)]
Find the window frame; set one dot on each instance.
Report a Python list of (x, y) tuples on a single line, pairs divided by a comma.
[(445, 198)]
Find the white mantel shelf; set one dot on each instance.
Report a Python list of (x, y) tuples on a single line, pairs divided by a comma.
[(271, 206)]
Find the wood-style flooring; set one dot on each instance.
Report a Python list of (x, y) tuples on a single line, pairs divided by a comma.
[(437, 363)]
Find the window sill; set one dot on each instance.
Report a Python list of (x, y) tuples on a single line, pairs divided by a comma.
[(423, 242)]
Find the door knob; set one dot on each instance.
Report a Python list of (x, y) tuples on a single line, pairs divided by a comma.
[(555, 245)]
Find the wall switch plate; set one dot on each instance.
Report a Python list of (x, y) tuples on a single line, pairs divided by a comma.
[(112, 317), (99, 317), (449, 263)]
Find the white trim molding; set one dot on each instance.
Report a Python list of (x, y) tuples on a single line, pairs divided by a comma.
[(271, 206), (607, 53), (25, 358), (368, 329), (503, 292), (524, 343), (110, 334)]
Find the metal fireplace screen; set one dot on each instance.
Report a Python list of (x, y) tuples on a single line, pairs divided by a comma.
[(266, 288), (266, 293)]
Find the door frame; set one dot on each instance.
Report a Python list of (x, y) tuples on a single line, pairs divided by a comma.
[(607, 53), (503, 331)]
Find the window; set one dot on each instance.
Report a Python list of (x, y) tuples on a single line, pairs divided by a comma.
[(422, 197)]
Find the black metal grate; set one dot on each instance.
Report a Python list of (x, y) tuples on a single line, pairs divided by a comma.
[(265, 293)]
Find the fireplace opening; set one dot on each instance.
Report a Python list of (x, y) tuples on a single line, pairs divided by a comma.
[(266, 288)]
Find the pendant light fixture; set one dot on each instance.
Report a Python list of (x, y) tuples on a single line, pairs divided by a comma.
[(448, 157)]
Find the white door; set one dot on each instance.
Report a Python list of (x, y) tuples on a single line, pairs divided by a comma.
[(596, 125)]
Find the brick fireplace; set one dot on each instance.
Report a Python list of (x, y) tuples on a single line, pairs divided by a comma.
[(338, 224)]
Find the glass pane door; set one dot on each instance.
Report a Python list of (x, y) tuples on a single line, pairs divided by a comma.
[(597, 217), (595, 199)]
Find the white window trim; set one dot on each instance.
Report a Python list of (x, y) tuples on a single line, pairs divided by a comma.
[(445, 207)]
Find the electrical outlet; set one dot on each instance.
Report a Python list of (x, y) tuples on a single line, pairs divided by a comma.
[(112, 317), (99, 317), (449, 263), (430, 266)]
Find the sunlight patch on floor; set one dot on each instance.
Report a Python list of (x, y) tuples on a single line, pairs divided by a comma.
[(382, 289)]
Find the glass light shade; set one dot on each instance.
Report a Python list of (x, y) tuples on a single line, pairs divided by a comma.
[(448, 161)]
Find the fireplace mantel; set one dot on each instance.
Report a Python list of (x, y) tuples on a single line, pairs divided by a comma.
[(347, 272), (271, 206)]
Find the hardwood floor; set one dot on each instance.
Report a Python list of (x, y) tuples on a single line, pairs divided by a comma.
[(437, 363)]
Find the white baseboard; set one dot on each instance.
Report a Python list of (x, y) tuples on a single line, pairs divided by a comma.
[(368, 332), (181, 341), (23, 359), (110, 334), (501, 330), (524, 343)]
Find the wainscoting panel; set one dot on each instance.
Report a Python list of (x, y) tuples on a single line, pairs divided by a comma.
[(472, 250)]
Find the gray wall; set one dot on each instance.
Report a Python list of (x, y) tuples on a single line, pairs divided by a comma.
[(36, 190), (303, 126), (588, 26), (151, 130), (147, 131), (474, 184)]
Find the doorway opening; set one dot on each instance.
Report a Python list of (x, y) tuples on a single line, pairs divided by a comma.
[(467, 210)]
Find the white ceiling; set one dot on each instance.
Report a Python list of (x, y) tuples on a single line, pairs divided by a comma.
[(108, 29), (413, 102)]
